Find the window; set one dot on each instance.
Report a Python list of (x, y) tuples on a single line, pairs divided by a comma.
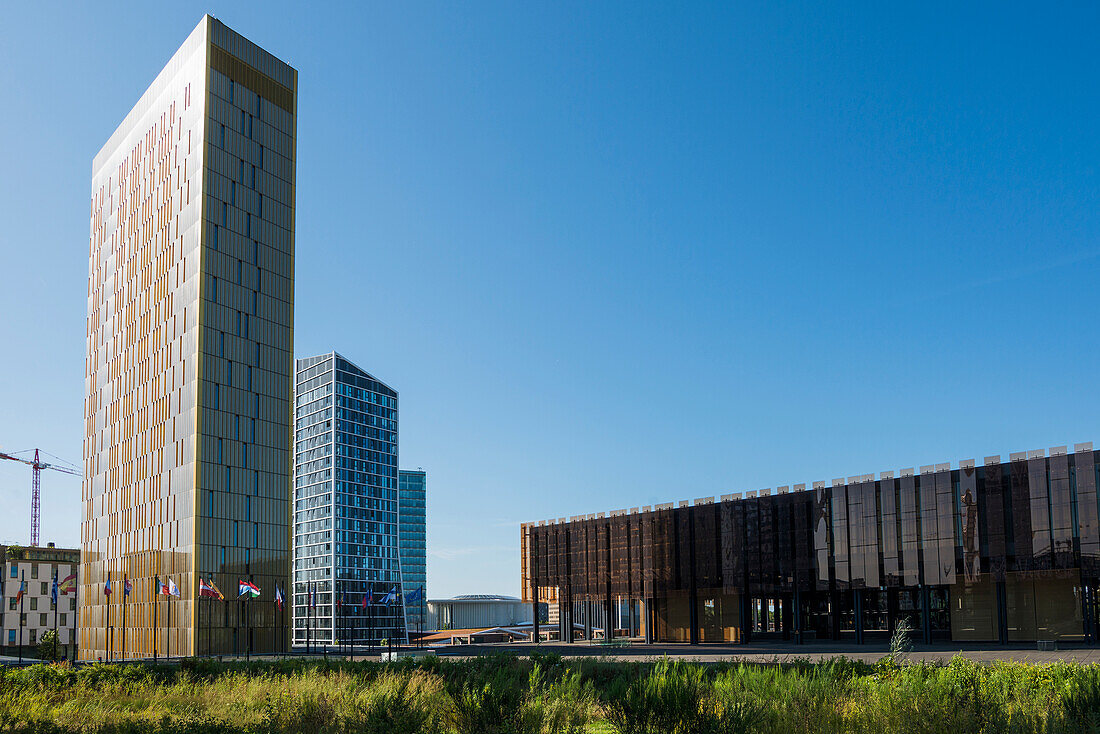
[(34, 571), (11, 603), (34, 603), (239, 268), (45, 588), (234, 532), (223, 565), (214, 290), (229, 375), (72, 605), (42, 620), (215, 408), (226, 477), (11, 637), (215, 238), (225, 214), (14, 572), (63, 620), (219, 440), (233, 193), (34, 636)]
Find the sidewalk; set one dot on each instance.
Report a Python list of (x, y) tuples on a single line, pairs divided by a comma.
[(765, 652)]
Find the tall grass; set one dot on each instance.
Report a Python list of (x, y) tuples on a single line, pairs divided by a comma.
[(546, 695)]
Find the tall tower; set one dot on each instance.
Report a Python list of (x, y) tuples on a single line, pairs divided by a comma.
[(189, 355), (345, 505), (412, 487)]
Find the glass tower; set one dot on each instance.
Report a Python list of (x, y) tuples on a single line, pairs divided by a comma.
[(345, 506), (412, 491), (189, 355)]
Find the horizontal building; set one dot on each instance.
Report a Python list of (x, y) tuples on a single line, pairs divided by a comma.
[(476, 611), (998, 552)]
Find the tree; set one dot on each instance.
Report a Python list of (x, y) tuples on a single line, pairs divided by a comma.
[(15, 552), (49, 647)]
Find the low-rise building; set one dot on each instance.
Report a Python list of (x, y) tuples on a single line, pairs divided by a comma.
[(24, 620), (478, 611)]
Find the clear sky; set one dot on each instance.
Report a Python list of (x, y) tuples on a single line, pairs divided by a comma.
[(614, 254)]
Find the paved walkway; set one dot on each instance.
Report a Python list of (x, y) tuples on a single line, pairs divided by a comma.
[(769, 652)]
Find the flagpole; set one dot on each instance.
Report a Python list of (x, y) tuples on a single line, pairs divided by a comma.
[(22, 581), (123, 616), (54, 592), (76, 611), (156, 592), (109, 618), (168, 629)]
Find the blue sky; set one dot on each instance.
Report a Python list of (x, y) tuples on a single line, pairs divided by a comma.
[(614, 254)]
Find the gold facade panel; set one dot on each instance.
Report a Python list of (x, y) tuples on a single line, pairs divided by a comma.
[(146, 451)]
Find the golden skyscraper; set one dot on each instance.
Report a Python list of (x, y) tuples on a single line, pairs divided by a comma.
[(190, 357)]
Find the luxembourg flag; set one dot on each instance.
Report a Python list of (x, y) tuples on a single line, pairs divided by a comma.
[(247, 588)]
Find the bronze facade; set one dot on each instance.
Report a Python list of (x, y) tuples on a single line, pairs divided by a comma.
[(1004, 552)]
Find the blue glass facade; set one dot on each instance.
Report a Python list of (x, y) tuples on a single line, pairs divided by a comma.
[(345, 504), (412, 500)]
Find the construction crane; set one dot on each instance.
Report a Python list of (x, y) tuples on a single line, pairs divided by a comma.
[(36, 486)]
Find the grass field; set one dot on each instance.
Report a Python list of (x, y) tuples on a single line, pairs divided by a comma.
[(504, 694)]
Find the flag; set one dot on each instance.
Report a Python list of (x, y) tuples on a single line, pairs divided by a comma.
[(368, 599), (168, 587), (278, 597), (68, 584), (390, 598), (313, 596), (127, 587), (107, 588), (414, 595), (53, 591), (247, 588), (22, 591), (339, 603), (209, 590)]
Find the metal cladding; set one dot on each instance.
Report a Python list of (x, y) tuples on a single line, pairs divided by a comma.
[(189, 354), (1000, 552)]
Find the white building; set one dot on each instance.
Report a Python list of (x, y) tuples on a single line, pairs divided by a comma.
[(37, 568), (476, 611)]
